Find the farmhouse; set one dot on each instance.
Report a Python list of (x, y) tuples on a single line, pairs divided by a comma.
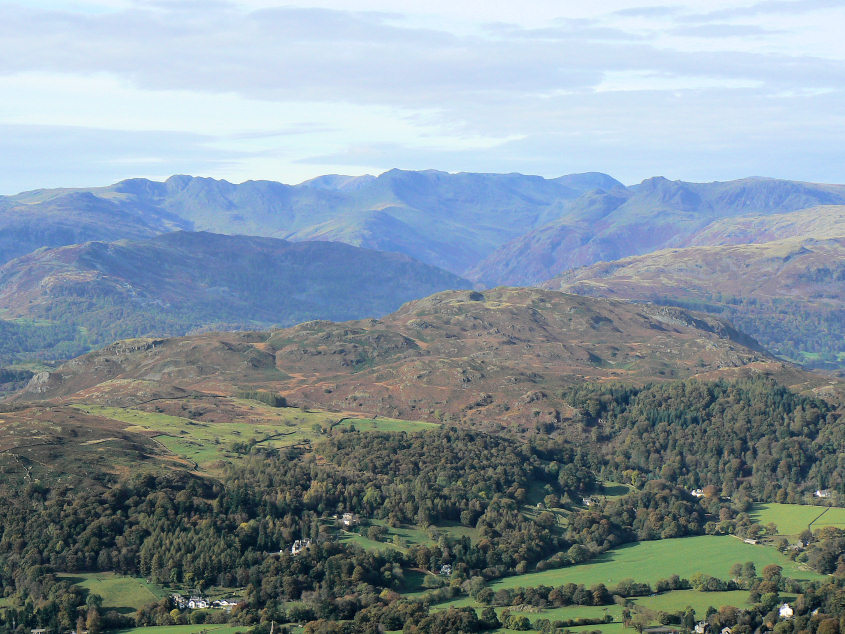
[(198, 603), (349, 519), (697, 493), (785, 612), (299, 545), (823, 493)]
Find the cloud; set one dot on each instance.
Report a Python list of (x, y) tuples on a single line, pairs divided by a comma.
[(256, 90), (36, 156)]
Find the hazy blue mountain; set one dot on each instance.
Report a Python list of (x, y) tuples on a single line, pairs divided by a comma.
[(97, 292), (606, 226), (449, 220), (491, 228)]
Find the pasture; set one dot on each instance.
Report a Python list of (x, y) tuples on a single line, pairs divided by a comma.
[(210, 444), (186, 629), (792, 519), (651, 561), (125, 594)]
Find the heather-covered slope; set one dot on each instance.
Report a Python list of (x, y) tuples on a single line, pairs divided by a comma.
[(504, 355), (97, 292), (789, 294)]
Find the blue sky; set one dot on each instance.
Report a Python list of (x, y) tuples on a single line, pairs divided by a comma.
[(96, 91)]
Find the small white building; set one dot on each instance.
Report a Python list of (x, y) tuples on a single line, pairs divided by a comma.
[(198, 603), (446, 570), (700, 627), (349, 519), (750, 541), (697, 493), (299, 545), (785, 612), (588, 501), (823, 493)]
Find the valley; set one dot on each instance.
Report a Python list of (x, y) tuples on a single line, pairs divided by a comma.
[(338, 439)]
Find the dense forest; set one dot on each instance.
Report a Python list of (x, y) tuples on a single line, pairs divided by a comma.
[(751, 435)]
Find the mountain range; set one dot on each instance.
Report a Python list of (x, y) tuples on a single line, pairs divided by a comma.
[(136, 258), (491, 228)]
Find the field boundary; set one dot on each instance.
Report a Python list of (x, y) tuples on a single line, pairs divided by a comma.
[(817, 518)]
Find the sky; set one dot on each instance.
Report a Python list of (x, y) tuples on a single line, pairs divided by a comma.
[(94, 91)]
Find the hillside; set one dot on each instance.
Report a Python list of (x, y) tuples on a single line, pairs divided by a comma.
[(71, 298), (60, 218), (606, 226), (789, 294), (500, 356)]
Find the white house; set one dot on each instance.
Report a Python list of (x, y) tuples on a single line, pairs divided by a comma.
[(299, 545), (349, 519), (198, 603), (697, 493), (700, 627), (823, 493), (785, 611)]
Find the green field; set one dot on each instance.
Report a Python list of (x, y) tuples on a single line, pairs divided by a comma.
[(667, 602), (408, 536), (208, 444), (651, 561), (186, 629), (792, 519), (125, 594)]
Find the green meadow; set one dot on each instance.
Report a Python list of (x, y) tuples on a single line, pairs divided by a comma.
[(651, 561), (792, 519), (186, 629), (125, 594), (208, 444)]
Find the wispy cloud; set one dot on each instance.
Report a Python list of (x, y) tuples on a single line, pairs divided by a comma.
[(262, 88)]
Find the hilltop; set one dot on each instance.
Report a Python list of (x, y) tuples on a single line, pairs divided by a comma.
[(503, 356)]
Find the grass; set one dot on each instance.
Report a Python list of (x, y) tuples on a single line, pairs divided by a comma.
[(186, 629), (651, 561), (792, 519), (125, 594), (386, 424), (209, 444), (667, 602)]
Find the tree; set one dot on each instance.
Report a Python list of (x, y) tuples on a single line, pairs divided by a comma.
[(93, 623)]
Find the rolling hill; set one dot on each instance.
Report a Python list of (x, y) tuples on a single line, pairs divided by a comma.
[(70, 298), (502, 356), (788, 291)]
